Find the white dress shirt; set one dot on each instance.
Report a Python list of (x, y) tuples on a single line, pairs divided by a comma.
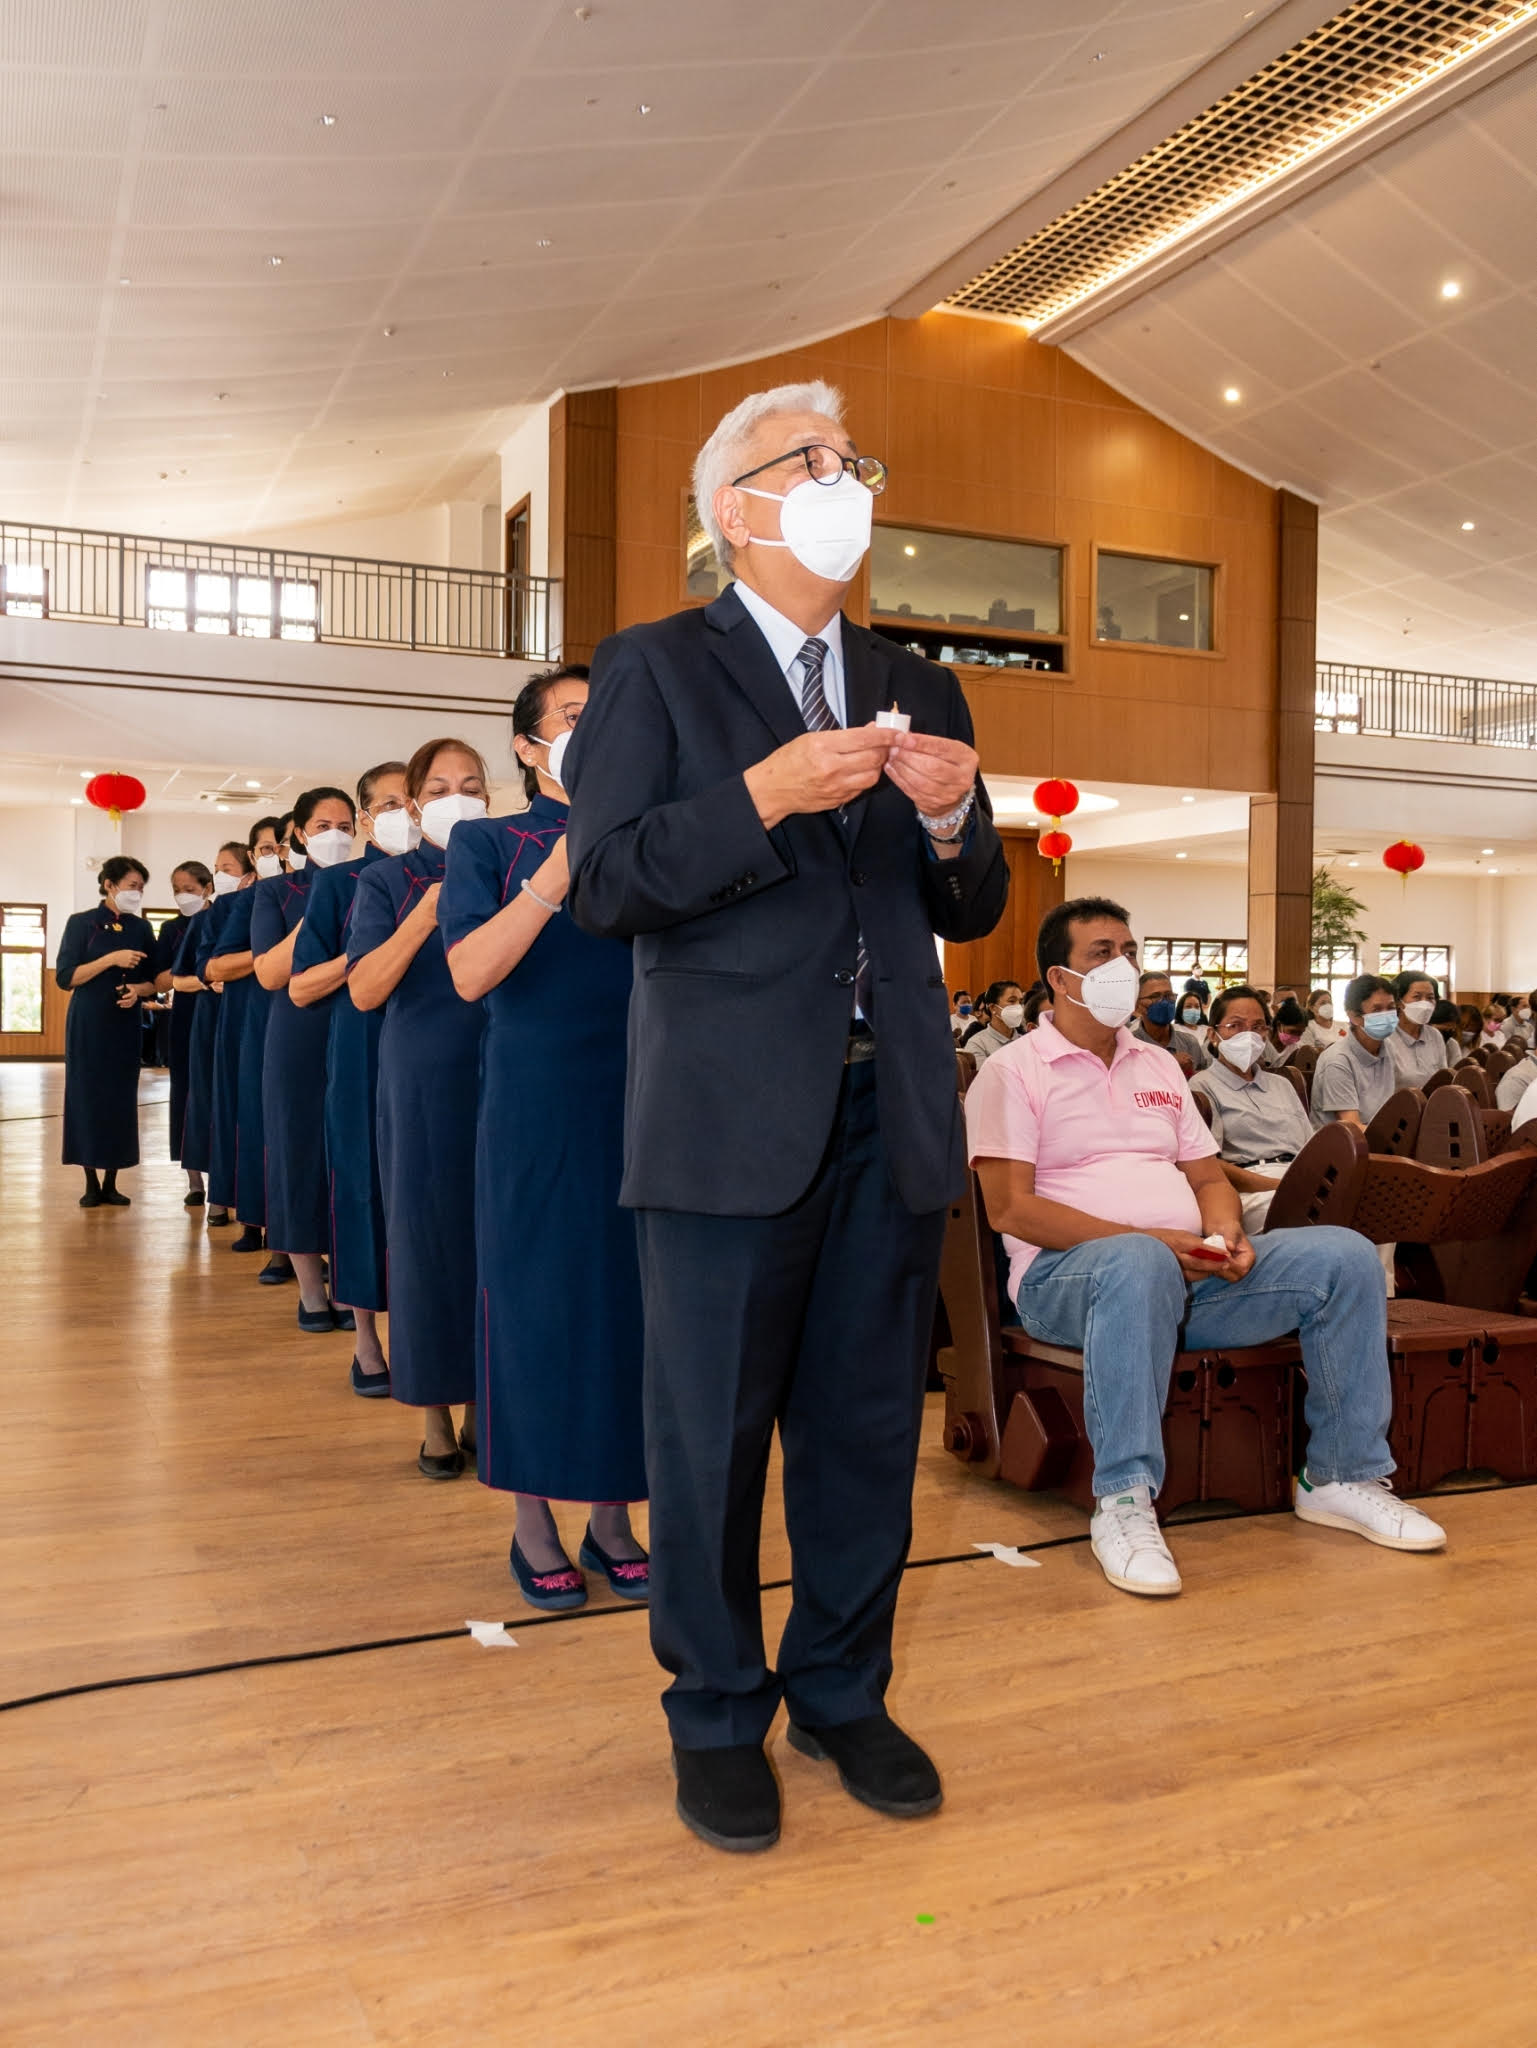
[(786, 640)]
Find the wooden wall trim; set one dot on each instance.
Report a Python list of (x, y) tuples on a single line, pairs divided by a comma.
[(47, 1044), (1281, 824), (583, 516)]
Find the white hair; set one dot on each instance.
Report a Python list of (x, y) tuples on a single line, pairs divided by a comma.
[(721, 457)]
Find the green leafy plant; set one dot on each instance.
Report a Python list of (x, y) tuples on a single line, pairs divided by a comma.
[(1335, 912)]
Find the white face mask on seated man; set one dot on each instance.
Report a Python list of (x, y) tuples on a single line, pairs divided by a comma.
[(1109, 991)]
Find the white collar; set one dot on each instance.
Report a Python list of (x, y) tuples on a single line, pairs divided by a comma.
[(784, 637)]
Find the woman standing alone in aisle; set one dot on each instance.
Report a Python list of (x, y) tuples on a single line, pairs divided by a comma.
[(559, 1335), (355, 1204), (191, 890), (429, 1056), (294, 1057), (106, 960)]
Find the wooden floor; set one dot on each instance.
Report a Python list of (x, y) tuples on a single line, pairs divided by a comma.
[(1295, 1806)]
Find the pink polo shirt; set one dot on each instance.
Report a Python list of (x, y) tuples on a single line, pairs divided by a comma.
[(1107, 1140)]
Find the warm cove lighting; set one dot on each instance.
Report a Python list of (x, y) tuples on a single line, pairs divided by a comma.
[(1021, 808)]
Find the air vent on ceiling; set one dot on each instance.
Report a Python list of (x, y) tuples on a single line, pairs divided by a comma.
[(235, 796), (1355, 67)]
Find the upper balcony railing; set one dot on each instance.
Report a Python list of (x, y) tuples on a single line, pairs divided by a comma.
[(262, 593), (1395, 703)]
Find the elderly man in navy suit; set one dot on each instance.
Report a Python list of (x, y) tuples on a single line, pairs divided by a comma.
[(781, 810)]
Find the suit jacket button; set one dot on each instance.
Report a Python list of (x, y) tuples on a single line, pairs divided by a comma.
[(749, 881), (843, 978), (857, 877)]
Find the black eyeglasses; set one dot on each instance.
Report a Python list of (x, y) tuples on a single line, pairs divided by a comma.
[(826, 465)]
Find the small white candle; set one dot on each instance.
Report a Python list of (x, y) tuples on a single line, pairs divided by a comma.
[(894, 720)]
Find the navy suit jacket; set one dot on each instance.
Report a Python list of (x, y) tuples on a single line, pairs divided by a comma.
[(745, 940)]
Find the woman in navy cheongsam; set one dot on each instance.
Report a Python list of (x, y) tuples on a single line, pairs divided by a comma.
[(107, 962), (191, 890), (429, 1055), (294, 1058), (238, 1179), (354, 1200), (230, 869), (559, 1340)]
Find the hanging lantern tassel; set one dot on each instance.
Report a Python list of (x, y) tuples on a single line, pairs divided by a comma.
[(1055, 847), (114, 794), (1404, 858)]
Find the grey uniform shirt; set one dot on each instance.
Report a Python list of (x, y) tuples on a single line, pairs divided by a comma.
[(1254, 1119), (1511, 1086), (985, 1042), (1180, 1041), (1349, 1077), (1417, 1058)]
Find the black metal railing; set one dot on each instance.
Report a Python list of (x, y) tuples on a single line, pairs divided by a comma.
[(135, 579), (1395, 703)]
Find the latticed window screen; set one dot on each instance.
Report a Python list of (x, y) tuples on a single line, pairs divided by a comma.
[(23, 948), (1355, 66), (1220, 962), (1335, 968), (1436, 961)]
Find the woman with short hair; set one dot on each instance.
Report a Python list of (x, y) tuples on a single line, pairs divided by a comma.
[(1257, 1116), (232, 871), (106, 961), (1418, 1049), (191, 891), (1355, 1077)]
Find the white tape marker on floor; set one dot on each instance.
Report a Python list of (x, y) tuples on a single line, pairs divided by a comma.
[(491, 1635), (1008, 1553)]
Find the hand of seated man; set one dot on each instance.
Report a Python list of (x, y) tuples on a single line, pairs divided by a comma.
[(1182, 1243)]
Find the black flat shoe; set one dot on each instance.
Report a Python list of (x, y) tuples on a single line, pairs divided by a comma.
[(467, 1443), (431, 1466), (195, 1200), (91, 1199), (554, 1591), (277, 1272), (373, 1386), (629, 1577), (250, 1240), (877, 1764), (317, 1321), (218, 1219), (345, 1319), (729, 1797), (116, 1199)]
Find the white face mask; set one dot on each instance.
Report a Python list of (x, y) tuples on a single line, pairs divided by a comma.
[(326, 848), (397, 831), (1011, 1016), (130, 901), (1109, 991), (557, 753), (1325, 1013), (225, 885), (296, 860), (268, 865), (189, 901), (825, 526), (1419, 1013), (1524, 1013), (445, 812), (1243, 1050), (1191, 1014)]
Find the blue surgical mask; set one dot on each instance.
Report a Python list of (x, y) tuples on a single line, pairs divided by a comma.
[(1161, 1013), (1380, 1024), (1192, 1013)]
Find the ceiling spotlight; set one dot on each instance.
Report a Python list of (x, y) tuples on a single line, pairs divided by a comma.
[(448, 373), (221, 807), (221, 396), (1486, 851), (543, 242), (78, 801), (276, 262), (1467, 526), (125, 280), (328, 120), (1494, 871), (1187, 799), (251, 784), (643, 108), (1182, 856), (1451, 289), (1232, 394), (909, 549), (1352, 863), (86, 774), (389, 333)]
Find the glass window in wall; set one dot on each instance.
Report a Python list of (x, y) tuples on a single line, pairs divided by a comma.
[(1436, 961), (950, 579), (1153, 604), (23, 947), (179, 600), (1335, 968), (1221, 962), (23, 590)]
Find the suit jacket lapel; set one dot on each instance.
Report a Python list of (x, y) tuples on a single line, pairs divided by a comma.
[(751, 664), (866, 690)]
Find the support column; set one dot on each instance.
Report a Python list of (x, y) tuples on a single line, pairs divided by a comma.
[(1010, 949), (1281, 824), (583, 451)]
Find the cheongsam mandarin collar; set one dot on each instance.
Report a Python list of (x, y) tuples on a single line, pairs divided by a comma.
[(432, 860), (546, 810), (372, 853)]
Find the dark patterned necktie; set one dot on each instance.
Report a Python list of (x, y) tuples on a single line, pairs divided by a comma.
[(820, 717)]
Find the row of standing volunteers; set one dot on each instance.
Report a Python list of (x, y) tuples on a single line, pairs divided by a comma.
[(401, 1073)]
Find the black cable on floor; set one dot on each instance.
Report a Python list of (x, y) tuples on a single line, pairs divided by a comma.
[(522, 1622)]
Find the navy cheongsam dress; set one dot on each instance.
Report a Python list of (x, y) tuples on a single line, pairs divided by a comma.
[(559, 1337), (354, 1200), (429, 1062), (195, 1132), (101, 1041), (229, 1016), (250, 1128), (169, 941), (293, 1083)]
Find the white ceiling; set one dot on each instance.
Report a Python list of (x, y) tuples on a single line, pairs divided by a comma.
[(799, 166), (1403, 413)]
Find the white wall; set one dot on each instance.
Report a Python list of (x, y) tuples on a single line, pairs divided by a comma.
[(526, 474), (1167, 899), (421, 535), (38, 863)]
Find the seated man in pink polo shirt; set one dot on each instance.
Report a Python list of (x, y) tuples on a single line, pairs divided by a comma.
[(1125, 1242)]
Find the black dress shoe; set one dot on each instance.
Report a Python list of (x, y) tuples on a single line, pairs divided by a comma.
[(91, 1199), (317, 1321), (729, 1797), (218, 1219), (373, 1386), (434, 1465), (876, 1762), (115, 1198), (250, 1240), (345, 1319), (277, 1272), (195, 1200)]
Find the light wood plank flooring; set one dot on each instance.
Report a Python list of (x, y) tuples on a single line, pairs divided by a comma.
[(1294, 1806)]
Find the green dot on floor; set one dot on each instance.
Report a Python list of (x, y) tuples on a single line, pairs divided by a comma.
[(925, 1919)]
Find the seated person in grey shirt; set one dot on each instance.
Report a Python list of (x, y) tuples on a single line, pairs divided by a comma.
[(1003, 1011), (1155, 1024), (1417, 1048), (1257, 1117), (1512, 1085), (1354, 1078)]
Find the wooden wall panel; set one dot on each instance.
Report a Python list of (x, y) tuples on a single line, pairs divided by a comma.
[(47, 1044), (1281, 824), (1009, 952), (583, 517)]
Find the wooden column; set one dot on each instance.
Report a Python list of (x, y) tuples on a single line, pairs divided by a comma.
[(1281, 825), (1009, 951), (583, 447)]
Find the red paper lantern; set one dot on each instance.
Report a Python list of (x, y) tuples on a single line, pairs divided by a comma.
[(1404, 858), (115, 794), (1055, 847), (1055, 798)]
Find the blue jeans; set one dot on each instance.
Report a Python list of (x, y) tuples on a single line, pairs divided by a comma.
[(1124, 1302)]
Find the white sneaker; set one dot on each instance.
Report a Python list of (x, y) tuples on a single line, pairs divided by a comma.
[(1129, 1544), (1369, 1508)]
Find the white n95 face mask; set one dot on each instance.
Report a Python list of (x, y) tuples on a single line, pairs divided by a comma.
[(1011, 1016), (557, 753), (328, 847), (268, 865), (131, 901), (397, 831), (445, 812), (188, 901), (225, 885), (1109, 991), (296, 860), (1419, 1013), (1242, 1050), (825, 526)]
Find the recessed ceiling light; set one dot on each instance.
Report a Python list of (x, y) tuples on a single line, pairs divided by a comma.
[(1451, 289), (543, 242), (1494, 871), (1187, 799), (86, 774), (328, 120), (125, 280), (1182, 856), (1467, 526), (77, 800), (221, 396), (1184, 618), (1486, 851), (448, 373), (909, 549), (1352, 863), (276, 262), (250, 784), (643, 108), (1232, 394), (221, 807), (389, 333)]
